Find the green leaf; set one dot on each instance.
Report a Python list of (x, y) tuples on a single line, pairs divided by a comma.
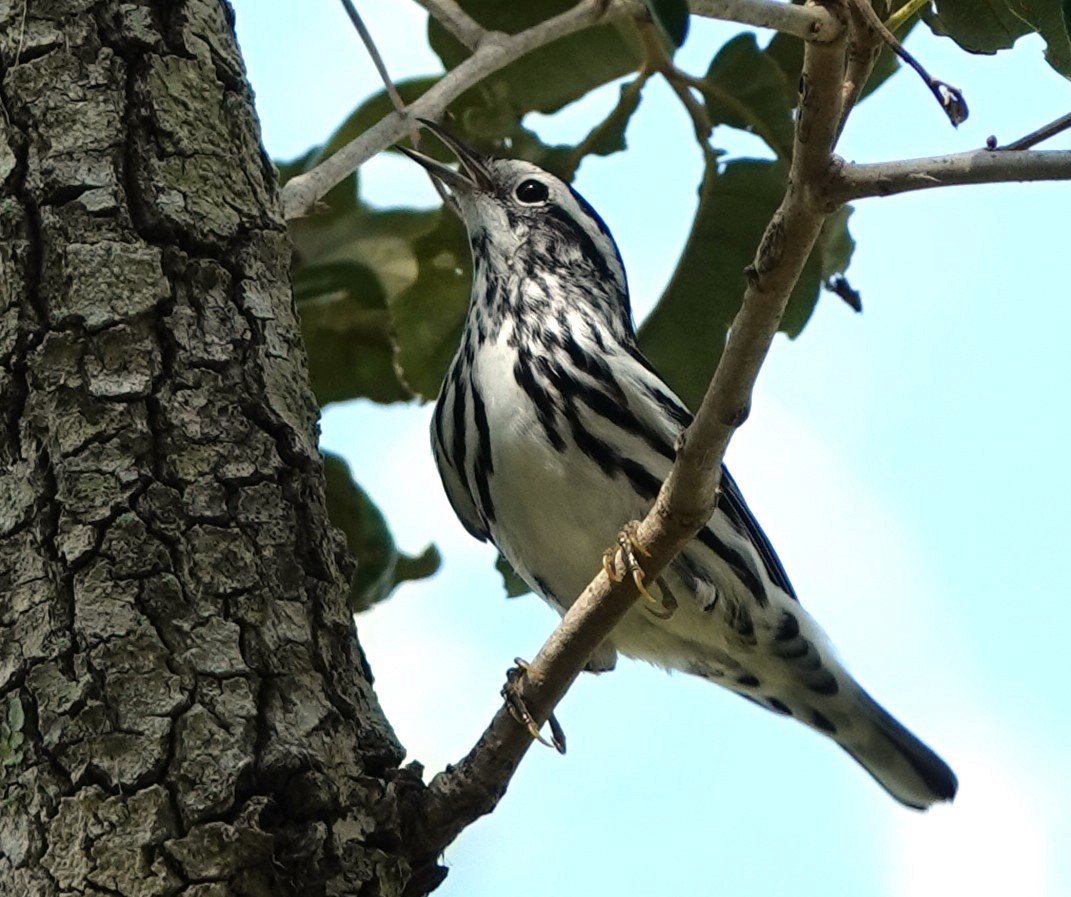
[(346, 266), (835, 244), (347, 332), (1050, 18), (979, 26), (429, 314), (525, 144), (514, 585), (608, 137), (672, 17), (748, 89), (685, 333), (380, 566), (546, 79)]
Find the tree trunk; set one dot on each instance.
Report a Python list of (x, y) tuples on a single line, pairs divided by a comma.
[(183, 705)]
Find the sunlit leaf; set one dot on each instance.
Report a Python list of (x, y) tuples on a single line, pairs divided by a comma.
[(345, 269)]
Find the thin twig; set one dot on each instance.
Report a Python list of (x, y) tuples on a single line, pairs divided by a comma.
[(658, 59), (810, 23), (951, 98), (1041, 134), (626, 105), (903, 15), (729, 100), (455, 20), (495, 51), (366, 38), (864, 48), (473, 787), (852, 181)]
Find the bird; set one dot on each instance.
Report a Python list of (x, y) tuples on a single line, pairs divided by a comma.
[(552, 432)]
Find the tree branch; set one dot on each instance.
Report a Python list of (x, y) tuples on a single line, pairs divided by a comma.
[(377, 60), (850, 181), (809, 23), (455, 20), (495, 51), (1045, 132), (462, 793)]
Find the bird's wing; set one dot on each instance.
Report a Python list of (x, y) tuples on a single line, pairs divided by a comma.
[(676, 418), (457, 492), (736, 509)]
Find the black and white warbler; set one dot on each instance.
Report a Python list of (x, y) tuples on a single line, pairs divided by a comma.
[(552, 431)]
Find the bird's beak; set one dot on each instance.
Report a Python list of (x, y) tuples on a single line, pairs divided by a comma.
[(473, 174)]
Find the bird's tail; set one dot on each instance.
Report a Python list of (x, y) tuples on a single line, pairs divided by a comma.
[(901, 764)]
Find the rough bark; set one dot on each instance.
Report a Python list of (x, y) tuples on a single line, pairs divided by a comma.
[(183, 706)]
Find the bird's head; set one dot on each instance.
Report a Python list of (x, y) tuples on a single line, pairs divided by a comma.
[(523, 219)]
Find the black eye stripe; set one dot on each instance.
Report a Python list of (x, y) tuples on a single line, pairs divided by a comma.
[(532, 191)]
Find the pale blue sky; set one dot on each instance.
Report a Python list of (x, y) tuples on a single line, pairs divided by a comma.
[(909, 463)]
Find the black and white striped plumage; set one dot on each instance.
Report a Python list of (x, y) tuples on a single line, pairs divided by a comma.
[(552, 431)]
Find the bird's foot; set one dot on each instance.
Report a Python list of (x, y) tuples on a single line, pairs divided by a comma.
[(511, 694), (627, 549)]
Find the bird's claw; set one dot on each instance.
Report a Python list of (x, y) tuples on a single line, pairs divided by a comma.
[(628, 546), (511, 694)]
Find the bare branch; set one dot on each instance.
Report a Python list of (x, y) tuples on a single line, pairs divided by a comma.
[(690, 492), (951, 98), (370, 45), (1043, 133), (464, 792), (852, 181), (810, 23), (659, 60), (494, 52), (455, 20)]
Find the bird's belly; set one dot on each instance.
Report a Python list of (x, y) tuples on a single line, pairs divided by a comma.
[(556, 512)]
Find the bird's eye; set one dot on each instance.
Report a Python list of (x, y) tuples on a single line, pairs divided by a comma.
[(532, 191)]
